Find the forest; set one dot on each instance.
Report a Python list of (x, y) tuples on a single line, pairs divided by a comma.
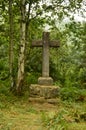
[(22, 22)]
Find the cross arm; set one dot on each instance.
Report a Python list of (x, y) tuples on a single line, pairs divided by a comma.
[(37, 43), (54, 43)]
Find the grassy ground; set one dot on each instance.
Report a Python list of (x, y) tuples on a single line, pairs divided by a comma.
[(20, 114)]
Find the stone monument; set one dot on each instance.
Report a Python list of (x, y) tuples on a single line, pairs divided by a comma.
[(45, 88)]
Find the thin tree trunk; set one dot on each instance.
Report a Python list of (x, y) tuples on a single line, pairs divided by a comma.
[(27, 28), (21, 59), (11, 43)]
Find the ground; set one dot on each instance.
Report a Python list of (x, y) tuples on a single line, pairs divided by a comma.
[(20, 114)]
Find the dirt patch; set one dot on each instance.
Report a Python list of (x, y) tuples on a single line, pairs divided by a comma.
[(44, 107)]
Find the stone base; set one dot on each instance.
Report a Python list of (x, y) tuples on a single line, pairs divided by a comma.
[(45, 81), (42, 100), (46, 92)]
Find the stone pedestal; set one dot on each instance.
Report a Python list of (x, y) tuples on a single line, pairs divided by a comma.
[(45, 81), (44, 91)]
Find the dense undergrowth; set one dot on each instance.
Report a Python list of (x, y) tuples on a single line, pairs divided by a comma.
[(17, 113)]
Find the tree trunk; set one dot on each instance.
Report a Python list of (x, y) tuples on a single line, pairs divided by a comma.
[(27, 29), (21, 59), (11, 43)]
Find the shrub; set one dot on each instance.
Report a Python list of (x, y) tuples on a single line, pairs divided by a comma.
[(72, 93)]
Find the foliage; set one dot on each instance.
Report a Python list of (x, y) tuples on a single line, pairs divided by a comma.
[(31, 78), (66, 115), (66, 118), (68, 63), (73, 94), (55, 122)]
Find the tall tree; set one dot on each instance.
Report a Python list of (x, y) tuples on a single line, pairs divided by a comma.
[(11, 44), (21, 59)]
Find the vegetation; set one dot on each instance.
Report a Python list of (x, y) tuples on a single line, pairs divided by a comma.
[(17, 113), (20, 65)]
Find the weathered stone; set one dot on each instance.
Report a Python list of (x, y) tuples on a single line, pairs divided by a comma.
[(42, 100), (44, 90), (47, 92), (45, 81)]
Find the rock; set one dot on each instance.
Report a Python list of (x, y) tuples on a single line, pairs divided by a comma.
[(48, 92)]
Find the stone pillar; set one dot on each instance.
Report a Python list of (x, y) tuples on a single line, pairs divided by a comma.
[(45, 61), (45, 79)]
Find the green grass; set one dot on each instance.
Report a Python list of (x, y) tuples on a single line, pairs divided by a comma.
[(69, 116), (18, 116), (17, 113)]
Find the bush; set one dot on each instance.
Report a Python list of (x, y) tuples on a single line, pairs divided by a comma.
[(31, 78), (73, 94)]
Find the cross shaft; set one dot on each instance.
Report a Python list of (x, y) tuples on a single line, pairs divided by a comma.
[(45, 43)]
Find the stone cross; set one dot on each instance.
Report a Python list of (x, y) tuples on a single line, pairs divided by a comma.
[(45, 43)]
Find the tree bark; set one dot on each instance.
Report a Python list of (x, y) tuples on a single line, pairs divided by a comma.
[(21, 59), (11, 43)]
